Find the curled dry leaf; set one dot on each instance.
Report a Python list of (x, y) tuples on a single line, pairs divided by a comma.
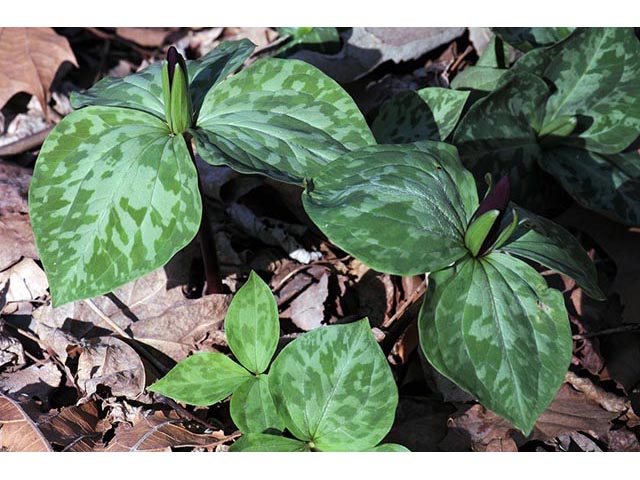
[(34, 381), (27, 282), (11, 350), (159, 432), (110, 362), (307, 309), (145, 36), (488, 431), (18, 432), (29, 60), (14, 188)]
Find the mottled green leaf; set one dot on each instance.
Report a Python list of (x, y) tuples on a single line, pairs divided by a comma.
[(316, 39), (547, 243), (389, 447), (478, 231), (262, 442), (595, 73), (252, 325), (484, 79), (495, 55), (202, 379), (281, 118), (143, 90), (499, 135), (401, 209), (427, 114), (113, 197), (252, 407), (528, 38), (333, 387), (608, 184), (495, 328)]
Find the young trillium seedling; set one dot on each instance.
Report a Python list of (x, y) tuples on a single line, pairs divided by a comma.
[(331, 389)]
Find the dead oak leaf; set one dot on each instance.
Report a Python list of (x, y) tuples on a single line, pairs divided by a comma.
[(18, 432), (29, 60)]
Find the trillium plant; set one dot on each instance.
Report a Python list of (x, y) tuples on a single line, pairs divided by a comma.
[(115, 195), (329, 390)]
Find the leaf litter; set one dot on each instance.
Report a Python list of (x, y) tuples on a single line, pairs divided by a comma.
[(73, 378)]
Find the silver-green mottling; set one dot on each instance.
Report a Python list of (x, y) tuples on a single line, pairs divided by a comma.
[(499, 135), (317, 39), (262, 442), (252, 325), (202, 379), (388, 447), (143, 90), (281, 118), (483, 79), (608, 184), (596, 75), (113, 197), (529, 38), (497, 330), (547, 243), (333, 387), (401, 209), (252, 408), (427, 114)]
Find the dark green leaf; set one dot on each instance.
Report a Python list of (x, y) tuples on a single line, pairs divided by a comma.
[(493, 327), (528, 38), (262, 442), (499, 134), (595, 72), (549, 244), (281, 118), (252, 407), (113, 197), (401, 209), (608, 184), (477, 232), (252, 325), (427, 114), (333, 387), (202, 379)]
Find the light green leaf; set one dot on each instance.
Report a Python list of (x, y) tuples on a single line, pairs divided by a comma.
[(495, 55), (333, 387), (499, 135), (143, 90), (252, 325), (252, 407), (262, 442), (427, 114), (608, 184), (113, 197), (202, 379), (493, 327), (317, 39), (528, 38), (389, 447), (478, 231), (281, 118), (595, 72), (484, 79), (401, 209), (547, 243)]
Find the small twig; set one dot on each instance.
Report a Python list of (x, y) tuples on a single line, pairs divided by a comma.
[(609, 331), (458, 60), (217, 425), (415, 296), (25, 144), (301, 268)]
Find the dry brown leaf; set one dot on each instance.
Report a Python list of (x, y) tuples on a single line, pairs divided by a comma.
[(145, 36), (34, 381), (159, 432), (488, 431), (110, 362), (73, 428), (29, 60), (572, 411), (307, 309), (18, 432), (11, 350), (16, 238), (27, 282)]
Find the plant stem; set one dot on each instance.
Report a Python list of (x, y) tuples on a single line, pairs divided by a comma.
[(207, 241)]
